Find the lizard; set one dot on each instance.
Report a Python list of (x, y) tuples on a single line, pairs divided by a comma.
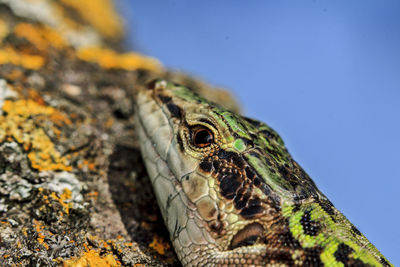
[(231, 194)]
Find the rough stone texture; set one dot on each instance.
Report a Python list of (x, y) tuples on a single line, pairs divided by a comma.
[(73, 188)]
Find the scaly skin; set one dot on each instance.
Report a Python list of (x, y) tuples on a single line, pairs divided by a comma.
[(231, 194)]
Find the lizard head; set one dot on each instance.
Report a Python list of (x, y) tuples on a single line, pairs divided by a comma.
[(220, 178)]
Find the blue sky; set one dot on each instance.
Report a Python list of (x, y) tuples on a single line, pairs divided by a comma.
[(324, 74)]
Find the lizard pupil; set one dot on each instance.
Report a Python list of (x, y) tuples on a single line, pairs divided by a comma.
[(202, 136)]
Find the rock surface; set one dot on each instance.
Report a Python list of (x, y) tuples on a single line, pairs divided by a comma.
[(73, 188)]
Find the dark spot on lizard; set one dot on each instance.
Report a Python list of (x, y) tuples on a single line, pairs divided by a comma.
[(310, 227), (235, 158), (253, 136), (283, 239), (242, 198), (217, 226), (206, 166), (384, 262), (253, 122), (312, 257), (152, 85), (327, 206), (229, 184), (240, 203), (342, 253), (180, 142), (249, 173), (288, 240), (216, 165), (165, 99), (355, 230), (247, 142), (175, 111), (252, 211), (257, 181), (296, 207), (268, 134)]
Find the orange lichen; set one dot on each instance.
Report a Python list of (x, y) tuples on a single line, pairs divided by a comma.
[(100, 14), (94, 195), (15, 74), (92, 258), (22, 123), (109, 123), (59, 119), (3, 30), (11, 56), (40, 36), (86, 165), (34, 95), (63, 198), (110, 59), (159, 245), (91, 166), (40, 236)]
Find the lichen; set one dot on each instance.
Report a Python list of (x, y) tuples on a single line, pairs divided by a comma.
[(12, 56), (159, 245), (92, 258), (102, 15), (66, 185), (52, 14), (5, 93), (3, 29), (20, 122), (109, 59), (42, 37)]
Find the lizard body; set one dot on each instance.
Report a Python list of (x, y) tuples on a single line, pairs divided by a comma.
[(231, 194)]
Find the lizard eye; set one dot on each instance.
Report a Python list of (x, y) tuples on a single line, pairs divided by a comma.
[(202, 136)]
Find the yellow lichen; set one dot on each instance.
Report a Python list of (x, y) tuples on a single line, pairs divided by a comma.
[(13, 75), (159, 245), (11, 56), (100, 14), (62, 199), (3, 30), (22, 121), (86, 165), (93, 195), (92, 258), (40, 236), (109, 59), (40, 36)]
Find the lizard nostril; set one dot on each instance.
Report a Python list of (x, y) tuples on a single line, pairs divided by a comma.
[(156, 84), (247, 236), (152, 85)]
